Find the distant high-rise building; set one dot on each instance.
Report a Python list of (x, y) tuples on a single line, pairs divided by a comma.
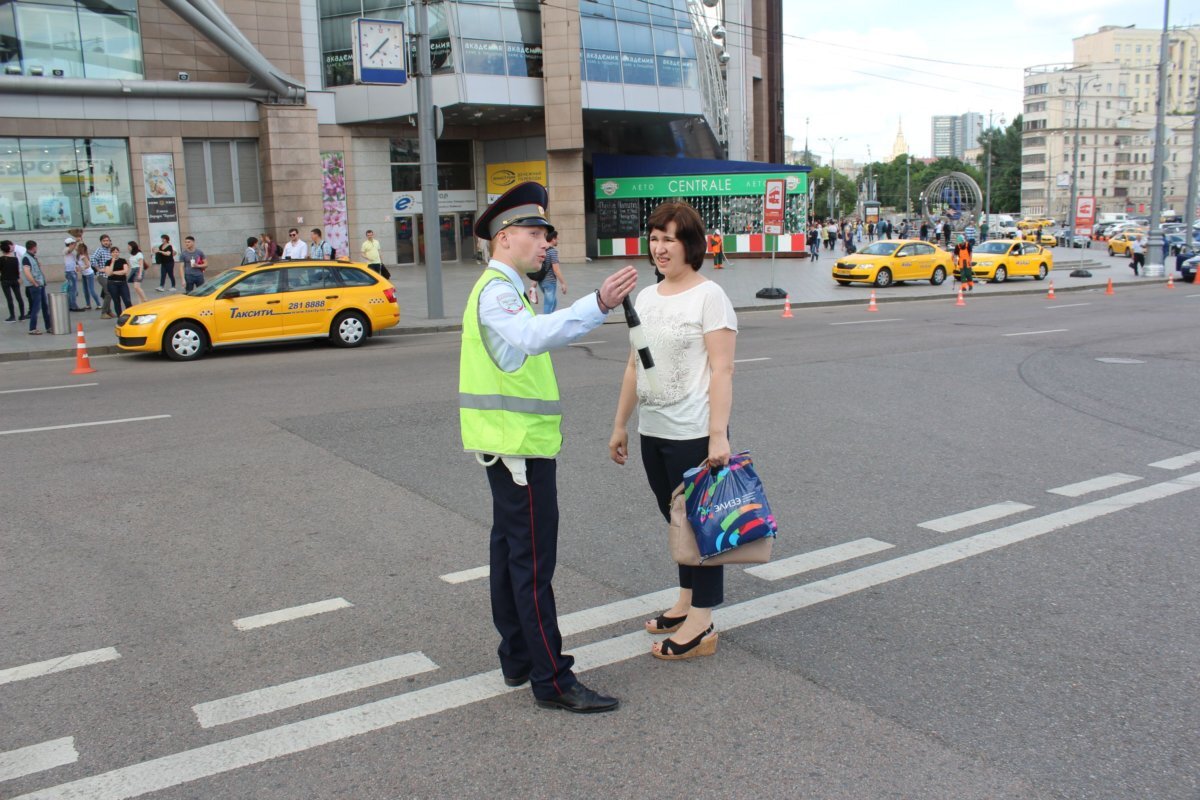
[(952, 135)]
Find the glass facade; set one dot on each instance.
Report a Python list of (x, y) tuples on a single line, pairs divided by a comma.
[(65, 39), (641, 42), (455, 166), (64, 183), (638, 42)]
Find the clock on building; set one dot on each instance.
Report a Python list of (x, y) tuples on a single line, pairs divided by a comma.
[(380, 52)]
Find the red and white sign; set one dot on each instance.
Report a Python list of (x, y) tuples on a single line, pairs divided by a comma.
[(773, 204), (1085, 213)]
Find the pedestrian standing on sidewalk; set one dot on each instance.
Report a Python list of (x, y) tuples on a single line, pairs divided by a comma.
[(371, 252), (118, 281), (70, 273), (295, 249), (137, 271), (194, 264), (1137, 254), (164, 256), (814, 242), (553, 283), (87, 274), (101, 259), (10, 280), (970, 233), (35, 288), (250, 256), (319, 249)]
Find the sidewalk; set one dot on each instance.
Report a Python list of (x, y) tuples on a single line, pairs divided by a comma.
[(808, 282)]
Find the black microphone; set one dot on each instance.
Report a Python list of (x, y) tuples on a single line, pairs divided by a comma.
[(639, 342)]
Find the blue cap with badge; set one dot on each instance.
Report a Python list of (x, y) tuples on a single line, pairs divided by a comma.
[(523, 205)]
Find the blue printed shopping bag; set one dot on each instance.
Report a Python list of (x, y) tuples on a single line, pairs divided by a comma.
[(727, 507)]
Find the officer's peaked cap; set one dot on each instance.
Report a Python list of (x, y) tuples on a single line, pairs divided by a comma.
[(523, 205)]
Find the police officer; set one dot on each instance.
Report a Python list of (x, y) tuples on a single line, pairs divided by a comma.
[(510, 418)]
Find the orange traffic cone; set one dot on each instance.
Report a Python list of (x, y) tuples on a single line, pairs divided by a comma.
[(871, 306), (82, 365), (1171, 281), (787, 306), (1109, 290), (1050, 294), (960, 302)]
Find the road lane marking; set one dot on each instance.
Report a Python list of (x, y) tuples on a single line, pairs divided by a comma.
[(600, 616), (37, 758), (867, 321), (586, 344), (973, 517), (49, 388), (1094, 485), (1033, 333), (289, 614), (85, 424), (308, 690), (806, 562), (243, 751), (50, 666), (1192, 295), (1179, 462), (1070, 305), (748, 360), (466, 575)]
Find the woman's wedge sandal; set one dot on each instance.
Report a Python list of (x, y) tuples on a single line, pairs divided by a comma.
[(664, 624), (703, 645)]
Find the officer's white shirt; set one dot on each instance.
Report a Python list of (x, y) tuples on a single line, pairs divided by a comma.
[(510, 332)]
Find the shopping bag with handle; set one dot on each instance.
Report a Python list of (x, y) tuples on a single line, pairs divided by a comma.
[(727, 507)]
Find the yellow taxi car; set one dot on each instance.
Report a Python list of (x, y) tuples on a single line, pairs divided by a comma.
[(272, 301), (1040, 237), (999, 260), (1119, 244), (894, 261)]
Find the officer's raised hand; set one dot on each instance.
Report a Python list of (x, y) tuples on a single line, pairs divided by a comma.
[(617, 287)]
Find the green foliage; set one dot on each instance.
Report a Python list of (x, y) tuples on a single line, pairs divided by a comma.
[(845, 194), (1006, 166)]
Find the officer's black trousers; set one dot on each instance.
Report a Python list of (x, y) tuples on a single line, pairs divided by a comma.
[(524, 550)]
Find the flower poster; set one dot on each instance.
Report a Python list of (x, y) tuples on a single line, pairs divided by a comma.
[(333, 201)]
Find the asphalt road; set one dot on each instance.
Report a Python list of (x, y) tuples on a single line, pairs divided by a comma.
[(1043, 648)]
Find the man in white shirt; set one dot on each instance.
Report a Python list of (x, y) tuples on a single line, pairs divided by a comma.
[(509, 399), (295, 249)]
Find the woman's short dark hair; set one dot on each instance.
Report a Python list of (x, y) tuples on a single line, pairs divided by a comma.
[(689, 229)]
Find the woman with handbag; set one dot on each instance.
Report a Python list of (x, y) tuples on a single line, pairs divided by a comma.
[(691, 329)]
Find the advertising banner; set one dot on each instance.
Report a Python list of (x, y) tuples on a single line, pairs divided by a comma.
[(333, 201), (1085, 213), (718, 185), (502, 177), (162, 211), (773, 206)]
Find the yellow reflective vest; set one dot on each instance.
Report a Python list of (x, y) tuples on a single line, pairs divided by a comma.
[(514, 413)]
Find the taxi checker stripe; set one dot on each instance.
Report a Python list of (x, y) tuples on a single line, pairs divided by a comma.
[(499, 402)]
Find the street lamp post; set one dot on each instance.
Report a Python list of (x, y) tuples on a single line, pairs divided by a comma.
[(907, 186), (833, 143), (987, 193), (1155, 268), (1080, 83)]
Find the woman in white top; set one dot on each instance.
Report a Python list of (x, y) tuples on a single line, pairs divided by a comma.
[(691, 329), (137, 270)]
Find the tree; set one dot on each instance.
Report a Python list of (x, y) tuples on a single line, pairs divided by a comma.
[(1006, 165), (845, 193)]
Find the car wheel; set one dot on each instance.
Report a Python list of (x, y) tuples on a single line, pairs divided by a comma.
[(939, 276), (185, 341), (1001, 275), (1110, 251), (883, 278), (1042, 272), (843, 283), (349, 329)]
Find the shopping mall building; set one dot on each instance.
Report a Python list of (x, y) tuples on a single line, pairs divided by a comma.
[(222, 119)]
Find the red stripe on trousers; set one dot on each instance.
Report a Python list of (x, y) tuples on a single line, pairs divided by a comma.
[(536, 609)]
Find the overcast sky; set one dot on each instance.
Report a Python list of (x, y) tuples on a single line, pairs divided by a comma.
[(844, 69)]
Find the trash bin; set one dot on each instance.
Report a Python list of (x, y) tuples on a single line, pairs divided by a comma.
[(60, 313)]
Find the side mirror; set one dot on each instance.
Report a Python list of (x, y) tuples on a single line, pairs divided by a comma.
[(230, 294)]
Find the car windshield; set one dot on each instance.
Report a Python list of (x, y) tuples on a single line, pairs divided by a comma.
[(993, 247), (880, 249), (210, 286)]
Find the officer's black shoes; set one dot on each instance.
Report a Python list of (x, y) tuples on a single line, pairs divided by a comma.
[(515, 682), (579, 699)]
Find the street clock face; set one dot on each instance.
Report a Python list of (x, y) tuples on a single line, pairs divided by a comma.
[(381, 44)]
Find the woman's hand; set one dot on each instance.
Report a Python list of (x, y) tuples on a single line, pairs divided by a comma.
[(618, 445), (718, 450)]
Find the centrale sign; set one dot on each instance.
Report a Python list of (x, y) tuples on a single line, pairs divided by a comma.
[(696, 185)]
